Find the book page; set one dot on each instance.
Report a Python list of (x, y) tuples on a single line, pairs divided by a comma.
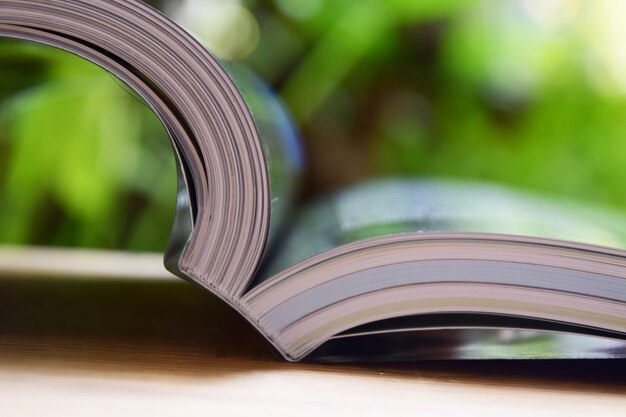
[(281, 143), (386, 207)]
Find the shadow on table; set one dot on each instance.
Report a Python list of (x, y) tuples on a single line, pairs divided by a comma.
[(149, 316), (173, 327)]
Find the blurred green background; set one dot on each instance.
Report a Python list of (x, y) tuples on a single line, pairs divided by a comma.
[(524, 92)]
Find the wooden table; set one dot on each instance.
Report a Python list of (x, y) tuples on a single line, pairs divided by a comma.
[(154, 345)]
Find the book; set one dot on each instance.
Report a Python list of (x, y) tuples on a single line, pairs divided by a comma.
[(390, 269)]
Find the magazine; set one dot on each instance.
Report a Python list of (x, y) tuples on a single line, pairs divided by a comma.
[(379, 270)]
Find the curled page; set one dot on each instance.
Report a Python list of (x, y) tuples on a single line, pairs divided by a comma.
[(237, 152)]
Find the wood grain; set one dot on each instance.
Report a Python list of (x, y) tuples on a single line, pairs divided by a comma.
[(163, 347)]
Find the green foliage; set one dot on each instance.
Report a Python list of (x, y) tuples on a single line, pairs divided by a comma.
[(526, 92), (530, 93), (78, 159)]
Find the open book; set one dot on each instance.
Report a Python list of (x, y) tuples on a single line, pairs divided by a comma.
[(382, 270)]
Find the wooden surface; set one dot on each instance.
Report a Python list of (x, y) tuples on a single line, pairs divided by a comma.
[(160, 347)]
